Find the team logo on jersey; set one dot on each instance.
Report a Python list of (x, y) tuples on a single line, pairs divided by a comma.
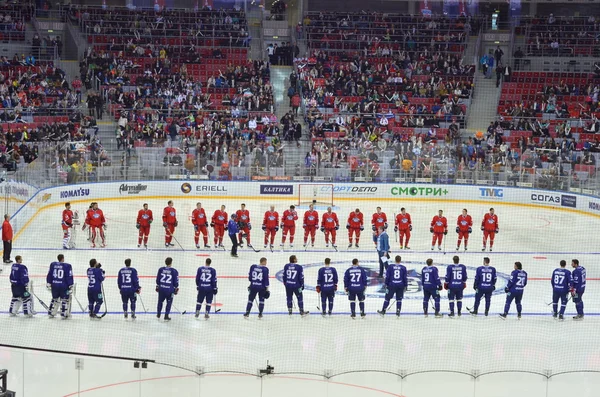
[(186, 188), (376, 288)]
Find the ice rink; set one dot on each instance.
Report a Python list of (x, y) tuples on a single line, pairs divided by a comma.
[(482, 356)]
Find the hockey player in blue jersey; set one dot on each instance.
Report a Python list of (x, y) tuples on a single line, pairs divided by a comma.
[(167, 286), (396, 282), (514, 289), (95, 278), (206, 284), (129, 286), (327, 281), (455, 283), (19, 285), (293, 280), (60, 282), (561, 283), (259, 285), (355, 284), (484, 285), (578, 287), (432, 285)]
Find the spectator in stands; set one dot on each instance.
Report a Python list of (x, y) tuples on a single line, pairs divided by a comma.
[(498, 53), (518, 55)]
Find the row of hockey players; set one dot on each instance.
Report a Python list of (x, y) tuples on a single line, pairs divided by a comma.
[(329, 225), (60, 282)]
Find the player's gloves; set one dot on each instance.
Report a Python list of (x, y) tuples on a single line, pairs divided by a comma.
[(206, 224), (395, 228), (482, 228), (464, 285), (176, 223), (386, 290), (493, 288), (470, 230), (496, 231), (347, 226), (26, 294), (304, 226), (98, 265), (337, 228), (212, 224), (446, 286), (506, 290), (176, 291), (457, 229), (362, 228), (439, 287), (445, 232), (196, 227), (70, 290), (374, 228), (385, 225), (267, 294), (137, 226), (264, 228), (346, 291), (49, 286), (150, 221), (410, 228), (573, 293), (138, 291), (430, 230), (156, 288), (475, 287), (300, 290), (335, 287), (276, 228), (318, 289), (215, 291), (225, 227), (249, 227), (248, 288), (164, 224), (322, 229)]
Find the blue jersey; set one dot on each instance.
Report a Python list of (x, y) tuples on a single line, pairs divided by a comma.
[(232, 227), (561, 280), (578, 278), (167, 279), (206, 278), (258, 277), (19, 275), (518, 281), (60, 275), (293, 276), (95, 279), (485, 278), (396, 276), (128, 280), (355, 279), (456, 275), (430, 279), (327, 278)]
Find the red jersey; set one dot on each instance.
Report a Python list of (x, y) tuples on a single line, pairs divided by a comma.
[(464, 222), (355, 220), (243, 216), (67, 219), (95, 218), (289, 218), (219, 218), (439, 224), (490, 222), (403, 221), (379, 220), (311, 218), (199, 217), (169, 215), (144, 218), (271, 220), (330, 221)]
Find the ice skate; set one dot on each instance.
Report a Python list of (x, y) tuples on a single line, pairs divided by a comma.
[(207, 246), (291, 245), (350, 245), (397, 312), (133, 316), (326, 245), (125, 315), (139, 245), (197, 314), (483, 249), (439, 247), (381, 312), (353, 316), (167, 318), (290, 311), (555, 316), (356, 245), (146, 246), (578, 317), (260, 315), (197, 246), (438, 315), (432, 247), (503, 316), (304, 313), (561, 318), (363, 314), (206, 316), (246, 315)]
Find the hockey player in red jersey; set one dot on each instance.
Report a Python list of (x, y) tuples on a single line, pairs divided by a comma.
[(243, 219), (87, 213), (200, 222), (355, 225), (144, 219), (439, 228), (219, 223), (464, 225), (310, 224), (489, 225), (67, 225), (169, 219), (288, 225), (97, 224), (404, 226), (329, 225), (270, 226), (378, 220)]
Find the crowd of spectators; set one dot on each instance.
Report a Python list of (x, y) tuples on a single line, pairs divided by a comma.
[(563, 36)]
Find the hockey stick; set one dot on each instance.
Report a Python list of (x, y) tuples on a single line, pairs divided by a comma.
[(445, 239), (390, 305), (142, 302), (174, 238), (251, 246), (319, 307), (45, 306), (105, 304), (77, 300), (181, 312), (395, 229)]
